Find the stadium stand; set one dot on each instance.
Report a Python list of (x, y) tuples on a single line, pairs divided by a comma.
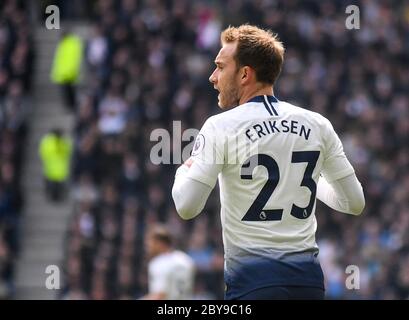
[(16, 65), (149, 62)]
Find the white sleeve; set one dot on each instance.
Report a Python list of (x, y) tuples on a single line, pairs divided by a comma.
[(336, 164), (189, 195), (344, 195), (196, 178), (158, 278)]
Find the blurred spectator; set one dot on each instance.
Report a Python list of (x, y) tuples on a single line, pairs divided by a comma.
[(16, 68), (55, 153)]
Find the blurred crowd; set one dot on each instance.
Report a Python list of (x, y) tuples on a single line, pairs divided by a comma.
[(148, 64), (16, 62)]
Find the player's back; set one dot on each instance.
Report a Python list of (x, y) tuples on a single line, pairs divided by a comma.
[(268, 156), (173, 272), (274, 154)]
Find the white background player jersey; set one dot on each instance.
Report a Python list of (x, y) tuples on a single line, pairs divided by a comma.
[(172, 273), (268, 156)]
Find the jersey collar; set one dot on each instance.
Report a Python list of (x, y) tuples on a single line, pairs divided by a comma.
[(261, 99)]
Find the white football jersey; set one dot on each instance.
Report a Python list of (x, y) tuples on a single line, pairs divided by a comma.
[(267, 156), (172, 273)]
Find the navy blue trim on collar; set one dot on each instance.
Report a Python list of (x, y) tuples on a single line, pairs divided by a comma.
[(268, 103), (261, 99)]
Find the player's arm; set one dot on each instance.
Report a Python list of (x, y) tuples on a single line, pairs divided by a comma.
[(189, 195), (344, 195), (339, 187), (158, 279), (196, 178)]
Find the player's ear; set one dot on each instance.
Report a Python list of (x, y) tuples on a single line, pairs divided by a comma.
[(245, 74)]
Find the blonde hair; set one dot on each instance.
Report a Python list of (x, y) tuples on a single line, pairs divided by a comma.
[(257, 48), (161, 233)]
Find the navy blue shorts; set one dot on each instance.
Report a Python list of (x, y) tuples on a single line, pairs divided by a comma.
[(285, 293)]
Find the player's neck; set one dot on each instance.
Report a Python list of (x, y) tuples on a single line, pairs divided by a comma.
[(254, 92)]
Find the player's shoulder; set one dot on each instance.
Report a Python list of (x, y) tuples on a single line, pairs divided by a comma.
[(161, 260), (301, 110), (230, 118), (311, 116), (182, 257), (216, 125), (218, 119)]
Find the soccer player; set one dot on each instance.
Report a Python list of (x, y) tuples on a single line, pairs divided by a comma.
[(272, 160), (170, 272)]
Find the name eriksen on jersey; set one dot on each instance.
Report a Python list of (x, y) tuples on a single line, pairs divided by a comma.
[(259, 130)]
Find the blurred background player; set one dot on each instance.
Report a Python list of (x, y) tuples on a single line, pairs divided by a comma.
[(171, 272)]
